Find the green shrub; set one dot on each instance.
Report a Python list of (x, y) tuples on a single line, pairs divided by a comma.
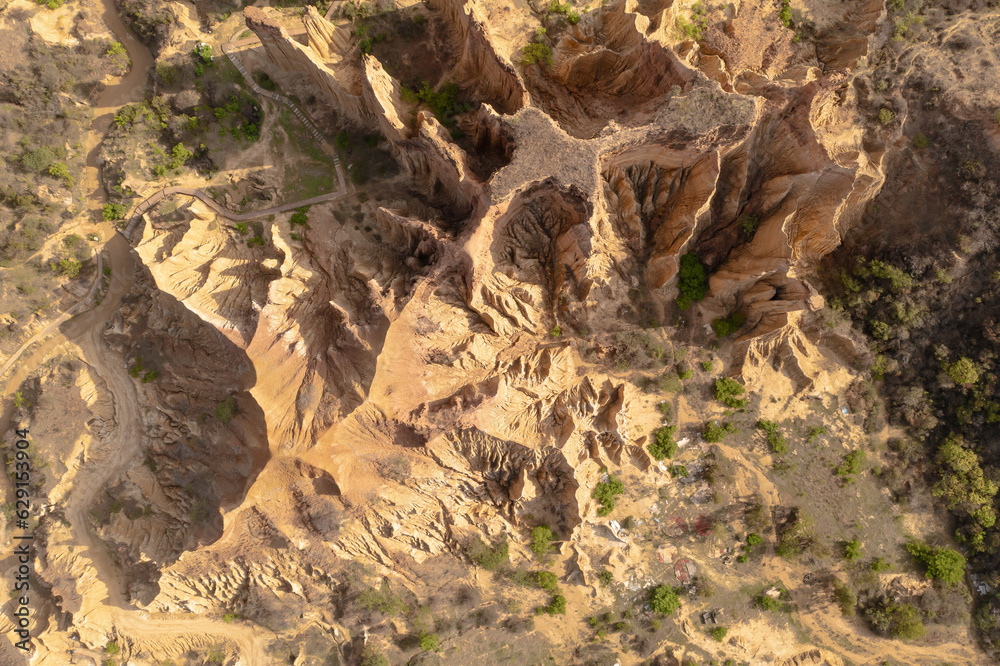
[(814, 433), (265, 81), (113, 211), (899, 280), (964, 484), (60, 170), (229, 618), (547, 581), (38, 160), (678, 471), (444, 102), (298, 219), (748, 224), (727, 391), (692, 281), (785, 13), (885, 116), (754, 539), (150, 376), (116, 51), (728, 326), (541, 541), (179, 155), (226, 410), (964, 371), (111, 648), (383, 600), (486, 556), (68, 267), (605, 493), (767, 603), (606, 578), (430, 642), (944, 564), (74, 241), (241, 227), (898, 620), (719, 633), (128, 115), (853, 463), (566, 10), (666, 410), (920, 141), (664, 600), (852, 550), (699, 21), (663, 445), (716, 432), (557, 606), (879, 564), (556, 331), (880, 330), (536, 52), (795, 537), (775, 439), (204, 53), (845, 598)]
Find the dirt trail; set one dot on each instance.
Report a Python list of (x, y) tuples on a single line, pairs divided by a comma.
[(230, 49), (153, 199), (104, 603), (122, 444), (127, 89), (828, 629), (52, 326), (104, 611)]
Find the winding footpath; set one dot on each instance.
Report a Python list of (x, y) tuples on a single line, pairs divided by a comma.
[(155, 198), (105, 609), (230, 49), (55, 323)]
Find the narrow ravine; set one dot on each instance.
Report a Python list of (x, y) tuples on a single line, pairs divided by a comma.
[(127, 89), (105, 608)]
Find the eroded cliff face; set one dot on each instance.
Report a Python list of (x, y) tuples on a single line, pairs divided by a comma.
[(320, 60), (607, 67), (179, 484), (434, 347), (461, 369), (480, 65)]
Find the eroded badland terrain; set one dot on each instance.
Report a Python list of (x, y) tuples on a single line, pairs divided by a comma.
[(480, 332)]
